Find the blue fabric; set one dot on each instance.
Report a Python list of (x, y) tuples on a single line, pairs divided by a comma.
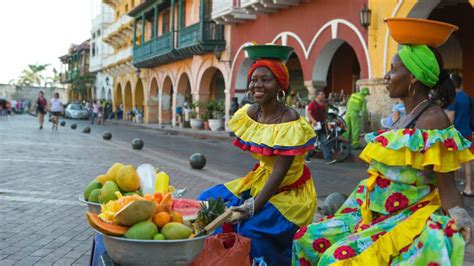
[(462, 113), (271, 233)]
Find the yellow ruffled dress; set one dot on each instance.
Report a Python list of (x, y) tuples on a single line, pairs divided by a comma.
[(293, 205), (394, 217)]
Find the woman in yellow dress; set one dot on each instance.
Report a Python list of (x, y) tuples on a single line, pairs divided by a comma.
[(409, 211), (277, 196)]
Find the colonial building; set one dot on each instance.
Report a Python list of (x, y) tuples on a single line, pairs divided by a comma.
[(331, 51), (102, 17), (457, 52), (175, 44), (118, 64), (75, 73)]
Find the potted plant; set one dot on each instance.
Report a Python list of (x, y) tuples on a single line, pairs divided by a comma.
[(195, 121), (216, 111), (205, 120)]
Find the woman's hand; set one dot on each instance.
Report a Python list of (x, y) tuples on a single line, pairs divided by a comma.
[(243, 212), (462, 222)]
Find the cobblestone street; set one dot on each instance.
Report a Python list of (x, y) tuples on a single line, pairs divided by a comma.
[(42, 173)]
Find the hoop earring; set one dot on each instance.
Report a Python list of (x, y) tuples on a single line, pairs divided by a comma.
[(249, 96), (409, 90), (282, 99)]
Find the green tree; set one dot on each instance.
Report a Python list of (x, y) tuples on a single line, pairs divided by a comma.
[(81, 84), (32, 75)]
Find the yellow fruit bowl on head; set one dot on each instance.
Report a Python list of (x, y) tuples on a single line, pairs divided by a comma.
[(152, 252), (420, 31)]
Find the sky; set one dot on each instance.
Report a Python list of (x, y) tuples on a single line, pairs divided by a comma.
[(40, 31)]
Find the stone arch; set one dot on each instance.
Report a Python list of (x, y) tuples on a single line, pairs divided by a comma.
[(183, 90), (102, 93), (166, 101), (108, 97), (296, 76), (127, 98), (212, 83), (325, 62), (118, 98), (241, 81)]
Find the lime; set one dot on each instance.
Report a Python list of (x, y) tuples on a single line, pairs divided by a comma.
[(159, 237)]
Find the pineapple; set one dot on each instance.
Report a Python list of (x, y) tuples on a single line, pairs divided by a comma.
[(209, 212)]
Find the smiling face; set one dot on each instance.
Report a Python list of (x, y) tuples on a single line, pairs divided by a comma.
[(263, 86), (398, 79)]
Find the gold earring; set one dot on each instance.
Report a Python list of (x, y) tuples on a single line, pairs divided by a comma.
[(409, 90)]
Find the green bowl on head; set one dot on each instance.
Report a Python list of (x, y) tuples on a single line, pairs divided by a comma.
[(269, 51)]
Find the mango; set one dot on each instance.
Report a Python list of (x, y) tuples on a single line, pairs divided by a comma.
[(135, 211), (127, 179), (173, 231), (113, 171), (92, 186), (159, 237), (145, 230), (107, 192), (94, 196), (103, 178)]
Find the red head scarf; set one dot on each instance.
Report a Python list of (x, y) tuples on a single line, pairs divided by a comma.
[(279, 70)]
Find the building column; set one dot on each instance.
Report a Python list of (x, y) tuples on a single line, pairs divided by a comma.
[(151, 112), (203, 98), (379, 104), (311, 89)]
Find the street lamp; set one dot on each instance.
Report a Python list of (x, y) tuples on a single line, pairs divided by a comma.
[(218, 54), (365, 15)]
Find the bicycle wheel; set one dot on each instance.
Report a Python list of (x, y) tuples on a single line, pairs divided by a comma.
[(340, 149)]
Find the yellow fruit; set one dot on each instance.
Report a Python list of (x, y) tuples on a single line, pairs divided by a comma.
[(113, 171), (103, 178), (171, 189), (177, 217), (161, 218), (162, 182), (127, 179)]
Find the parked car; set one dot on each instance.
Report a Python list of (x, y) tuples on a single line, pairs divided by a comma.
[(76, 111)]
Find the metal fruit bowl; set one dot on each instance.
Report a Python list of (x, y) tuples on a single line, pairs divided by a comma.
[(152, 252), (92, 206)]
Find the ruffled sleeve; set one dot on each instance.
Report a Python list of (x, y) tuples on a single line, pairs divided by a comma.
[(444, 149), (285, 139)]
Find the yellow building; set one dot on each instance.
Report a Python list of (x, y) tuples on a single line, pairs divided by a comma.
[(457, 52), (164, 55)]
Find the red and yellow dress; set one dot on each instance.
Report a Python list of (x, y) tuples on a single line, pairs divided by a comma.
[(293, 205)]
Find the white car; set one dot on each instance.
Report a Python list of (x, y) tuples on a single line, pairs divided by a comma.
[(76, 111)]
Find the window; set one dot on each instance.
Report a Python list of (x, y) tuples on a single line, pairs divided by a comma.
[(133, 3), (126, 8), (117, 14), (93, 49), (98, 33), (166, 21)]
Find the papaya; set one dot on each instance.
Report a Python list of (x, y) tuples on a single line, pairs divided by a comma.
[(135, 211), (103, 227), (127, 179)]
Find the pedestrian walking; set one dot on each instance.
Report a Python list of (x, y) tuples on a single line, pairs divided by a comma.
[(316, 113), (95, 111), (55, 109), (408, 212), (356, 107), (41, 108), (459, 113)]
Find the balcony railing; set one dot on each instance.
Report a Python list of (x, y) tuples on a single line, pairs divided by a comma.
[(114, 58), (116, 25), (152, 52), (231, 11), (193, 34)]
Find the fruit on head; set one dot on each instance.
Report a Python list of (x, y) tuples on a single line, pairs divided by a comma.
[(173, 231), (107, 192), (113, 171), (135, 211), (127, 179), (159, 237), (94, 196), (103, 227), (92, 186), (145, 230), (161, 218)]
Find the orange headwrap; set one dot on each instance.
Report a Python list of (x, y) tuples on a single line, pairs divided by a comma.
[(279, 70)]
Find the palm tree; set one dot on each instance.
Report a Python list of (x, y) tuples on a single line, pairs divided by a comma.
[(81, 84), (32, 75)]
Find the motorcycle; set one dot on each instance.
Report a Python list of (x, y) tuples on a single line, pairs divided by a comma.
[(335, 126)]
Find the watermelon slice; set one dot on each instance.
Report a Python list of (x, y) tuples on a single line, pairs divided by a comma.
[(189, 208)]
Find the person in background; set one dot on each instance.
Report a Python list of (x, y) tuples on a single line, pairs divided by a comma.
[(316, 113), (398, 111), (291, 99), (56, 109), (41, 106), (459, 113), (356, 106), (234, 106), (120, 112), (95, 111)]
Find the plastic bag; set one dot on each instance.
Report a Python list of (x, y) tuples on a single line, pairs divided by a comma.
[(230, 249)]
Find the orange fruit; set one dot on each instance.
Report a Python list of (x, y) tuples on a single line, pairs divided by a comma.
[(161, 218), (160, 208), (177, 217)]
